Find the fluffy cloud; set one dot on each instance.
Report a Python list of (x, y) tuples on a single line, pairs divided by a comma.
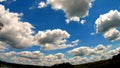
[(74, 9), (52, 36), (101, 47), (75, 18), (108, 24), (84, 51), (53, 39), (78, 60), (60, 55), (14, 32), (114, 52), (39, 58), (31, 55), (42, 4), (98, 53), (34, 58), (17, 34), (112, 34), (81, 51)]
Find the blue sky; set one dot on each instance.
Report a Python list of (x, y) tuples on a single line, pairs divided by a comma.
[(48, 18)]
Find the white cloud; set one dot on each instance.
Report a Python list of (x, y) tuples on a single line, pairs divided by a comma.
[(42, 4), (108, 24), (38, 58), (20, 60), (101, 47), (15, 32), (83, 21), (100, 52), (81, 51), (78, 60), (52, 36), (114, 52), (84, 51), (75, 18), (112, 34), (53, 39), (34, 58), (60, 55), (31, 55), (74, 9)]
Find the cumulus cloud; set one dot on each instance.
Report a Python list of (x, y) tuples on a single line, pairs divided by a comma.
[(108, 24), (112, 34), (39, 58), (60, 55), (42, 4), (15, 32), (114, 52), (53, 39), (74, 9), (75, 18), (34, 58), (83, 21), (101, 47), (81, 51), (84, 51), (78, 60), (31, 55)]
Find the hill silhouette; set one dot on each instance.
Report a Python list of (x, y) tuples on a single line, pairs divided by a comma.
[(112, 63)]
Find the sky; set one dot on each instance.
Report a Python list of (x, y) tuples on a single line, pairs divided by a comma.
[(38, 32)]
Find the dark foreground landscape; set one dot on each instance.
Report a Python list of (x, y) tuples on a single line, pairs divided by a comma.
[(111, 63)]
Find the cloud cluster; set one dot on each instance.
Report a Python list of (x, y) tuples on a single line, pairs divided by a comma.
[(31, 55), (38, 58), (17, 34), (53, 39), (33, 58), (108, 23), (74, 9), (83, 51)]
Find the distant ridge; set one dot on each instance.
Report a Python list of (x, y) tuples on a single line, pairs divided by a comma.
[(110, 63)]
